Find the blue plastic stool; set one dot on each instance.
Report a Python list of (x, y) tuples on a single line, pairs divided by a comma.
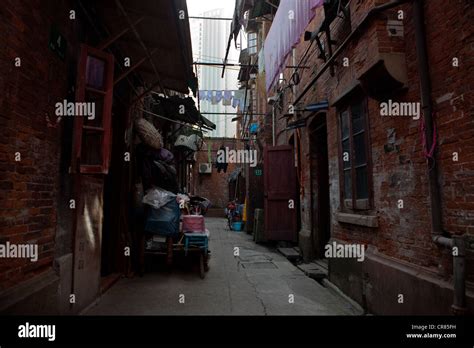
[(200, 240)]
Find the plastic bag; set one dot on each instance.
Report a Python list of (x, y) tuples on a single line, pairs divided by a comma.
[(157, 197), (182, 198), (164, 221)]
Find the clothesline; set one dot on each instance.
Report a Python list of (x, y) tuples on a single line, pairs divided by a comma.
[(232, 98)]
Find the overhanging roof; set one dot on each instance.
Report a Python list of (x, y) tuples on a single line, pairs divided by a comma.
[(164, 36), (172, 108)]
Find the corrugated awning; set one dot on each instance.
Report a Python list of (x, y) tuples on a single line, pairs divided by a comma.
[(163, 29)]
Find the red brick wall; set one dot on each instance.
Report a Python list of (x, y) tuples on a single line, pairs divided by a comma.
[(29, 188), (215, 186), (404, 234)]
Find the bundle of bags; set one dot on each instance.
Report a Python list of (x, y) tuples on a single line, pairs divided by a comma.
[(164, 213)]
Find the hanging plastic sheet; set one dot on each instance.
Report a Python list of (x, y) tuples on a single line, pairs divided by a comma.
[(289, 23)]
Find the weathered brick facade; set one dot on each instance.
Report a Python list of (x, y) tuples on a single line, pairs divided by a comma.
[(403, 238), (214, 186), (30, 187)]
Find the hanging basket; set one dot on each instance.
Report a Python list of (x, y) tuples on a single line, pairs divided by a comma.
[(148, 133)]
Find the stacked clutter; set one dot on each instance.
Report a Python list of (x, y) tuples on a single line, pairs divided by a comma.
[(159, 178), (164, 213)]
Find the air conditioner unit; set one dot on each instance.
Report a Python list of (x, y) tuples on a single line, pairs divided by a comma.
[(205, 168)]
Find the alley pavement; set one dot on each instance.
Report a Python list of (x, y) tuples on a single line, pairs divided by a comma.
[(259, 281)]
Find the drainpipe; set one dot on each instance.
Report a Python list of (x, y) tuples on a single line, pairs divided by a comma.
[(273, 126), (459, 268)]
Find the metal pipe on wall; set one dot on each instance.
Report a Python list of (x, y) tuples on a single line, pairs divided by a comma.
[(273, 126), (427, 107), (457, 242)]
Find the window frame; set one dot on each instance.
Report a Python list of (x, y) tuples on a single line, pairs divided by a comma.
[(253, 40), (354, 203), (79, 128)]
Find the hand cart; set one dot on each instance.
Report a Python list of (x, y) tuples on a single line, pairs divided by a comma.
[(190, 244)]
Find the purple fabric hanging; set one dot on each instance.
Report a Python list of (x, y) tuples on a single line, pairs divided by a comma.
[(291, 19)]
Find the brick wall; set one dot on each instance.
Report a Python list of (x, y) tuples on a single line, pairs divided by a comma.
[(215, 186), (29, 188), (401, 172)]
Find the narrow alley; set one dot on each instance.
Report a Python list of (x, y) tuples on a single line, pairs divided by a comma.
[(258, 282), (297, 159)]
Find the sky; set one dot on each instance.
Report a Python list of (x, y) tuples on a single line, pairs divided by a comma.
[(196, 7)]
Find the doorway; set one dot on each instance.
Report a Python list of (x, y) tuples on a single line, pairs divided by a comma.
[(279, 188), (319, 184)]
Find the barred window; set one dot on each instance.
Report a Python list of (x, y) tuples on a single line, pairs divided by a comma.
[(355, 168)]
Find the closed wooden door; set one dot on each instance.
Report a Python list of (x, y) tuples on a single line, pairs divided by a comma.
[(280, 193)]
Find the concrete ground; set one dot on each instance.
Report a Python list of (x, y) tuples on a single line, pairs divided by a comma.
[(259, 281)]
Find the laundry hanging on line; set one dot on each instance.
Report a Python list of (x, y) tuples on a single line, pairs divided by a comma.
[(232, 98)]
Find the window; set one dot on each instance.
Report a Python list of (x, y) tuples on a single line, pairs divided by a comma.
[(94, 90), (355, 169), (252, 43)]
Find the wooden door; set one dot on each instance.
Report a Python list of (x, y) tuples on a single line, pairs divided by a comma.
[(279, 193), (88, 241), (90, 161)]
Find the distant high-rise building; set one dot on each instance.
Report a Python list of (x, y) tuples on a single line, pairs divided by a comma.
[(209, 39)]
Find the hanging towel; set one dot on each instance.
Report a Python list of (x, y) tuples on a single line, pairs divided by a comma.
[(219, 96), (227, 98), (238, 98), (213, 98), (235, 102)]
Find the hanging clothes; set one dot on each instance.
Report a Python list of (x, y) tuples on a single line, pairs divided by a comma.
[(219, 96), (222, 164), (227, 98), (213, 98), (235, 102), (238, 98)]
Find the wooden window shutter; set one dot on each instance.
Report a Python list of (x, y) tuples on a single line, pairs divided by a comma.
[(92, 135)]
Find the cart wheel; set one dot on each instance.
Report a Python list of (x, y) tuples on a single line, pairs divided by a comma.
[(206, 263), (202, 273), (169, 253)]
